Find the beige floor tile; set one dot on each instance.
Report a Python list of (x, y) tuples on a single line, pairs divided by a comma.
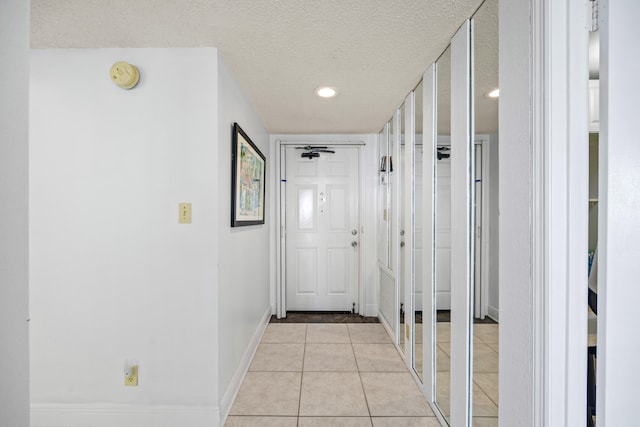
[(484, 358), (332, 394), (334, 422), (378, 357), (486, 333), (368, 333), (443, 332), (405, 422), (284, 333), (495, 347), (446, 347), (329, 358), (418, 363), (488, 382), (482, 405), (443, 361), (485, 421), (268, 393), (418, 333), (443, 392), (328, 333), (239, 421), (278, 357), (394, 394)]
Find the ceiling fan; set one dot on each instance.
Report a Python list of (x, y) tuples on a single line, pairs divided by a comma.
[(313, 151), (443, 152)]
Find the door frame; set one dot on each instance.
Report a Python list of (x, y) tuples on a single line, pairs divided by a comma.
[(280, 193)]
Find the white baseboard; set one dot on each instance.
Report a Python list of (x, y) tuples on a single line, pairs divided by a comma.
[(444, 300), (492, 312), (386, 326), (120, 415), (231, 392), (370, 310)]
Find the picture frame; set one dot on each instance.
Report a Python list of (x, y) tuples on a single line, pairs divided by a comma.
[(248, 172)]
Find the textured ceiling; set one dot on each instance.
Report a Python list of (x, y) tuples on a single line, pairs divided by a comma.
[(373, 51)]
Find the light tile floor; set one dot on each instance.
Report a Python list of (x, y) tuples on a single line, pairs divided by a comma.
[(485, 372), (319, 374)]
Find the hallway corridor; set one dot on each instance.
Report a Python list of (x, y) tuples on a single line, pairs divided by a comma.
[(321, 374)]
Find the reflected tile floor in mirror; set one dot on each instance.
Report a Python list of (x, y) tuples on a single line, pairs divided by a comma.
[(320, 374), (485, 371)]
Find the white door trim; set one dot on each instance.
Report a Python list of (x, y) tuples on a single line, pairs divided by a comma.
[(461, 226), (560, 217), (281, 144), (429, 142)]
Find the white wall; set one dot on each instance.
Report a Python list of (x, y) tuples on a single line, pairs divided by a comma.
[(244, 252), (113, 274), (14, 297), (515, 180)]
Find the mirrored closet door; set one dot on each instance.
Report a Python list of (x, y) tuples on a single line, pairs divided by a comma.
[(442, 234), (400, 230), (417, 232), (484, 373)]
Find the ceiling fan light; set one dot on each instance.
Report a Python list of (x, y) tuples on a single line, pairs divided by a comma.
[(326, 92), (494, 93)]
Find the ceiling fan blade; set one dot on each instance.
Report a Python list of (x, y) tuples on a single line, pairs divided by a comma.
[(311, 147)]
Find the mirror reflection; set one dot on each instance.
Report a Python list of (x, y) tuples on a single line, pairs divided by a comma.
[(485, 214), (417, 235), (388, 307), (383, 236), (442, 246)]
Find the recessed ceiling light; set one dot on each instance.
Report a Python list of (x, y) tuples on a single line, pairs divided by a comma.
[(326, 92), (494, 93)]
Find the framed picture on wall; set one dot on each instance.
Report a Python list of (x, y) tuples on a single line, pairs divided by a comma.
[(248, 166)]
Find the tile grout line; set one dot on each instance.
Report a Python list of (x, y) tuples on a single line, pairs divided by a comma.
[(364, 393), (482, 388), (304, 353)]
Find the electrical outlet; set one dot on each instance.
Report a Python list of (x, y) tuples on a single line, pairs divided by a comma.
[(131, 380)]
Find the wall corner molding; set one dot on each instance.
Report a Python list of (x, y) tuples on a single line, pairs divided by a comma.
[(231, 392)]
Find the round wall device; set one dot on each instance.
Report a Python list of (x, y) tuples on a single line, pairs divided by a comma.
[(124, 75)]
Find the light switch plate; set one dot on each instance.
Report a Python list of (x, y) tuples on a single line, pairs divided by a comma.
[(184, 213)]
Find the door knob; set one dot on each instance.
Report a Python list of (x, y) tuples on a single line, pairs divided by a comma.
[(354, 244), (402, 244), (354, 232)]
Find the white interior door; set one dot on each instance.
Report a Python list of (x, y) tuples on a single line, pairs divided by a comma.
[(443, 234), (322, 230)]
